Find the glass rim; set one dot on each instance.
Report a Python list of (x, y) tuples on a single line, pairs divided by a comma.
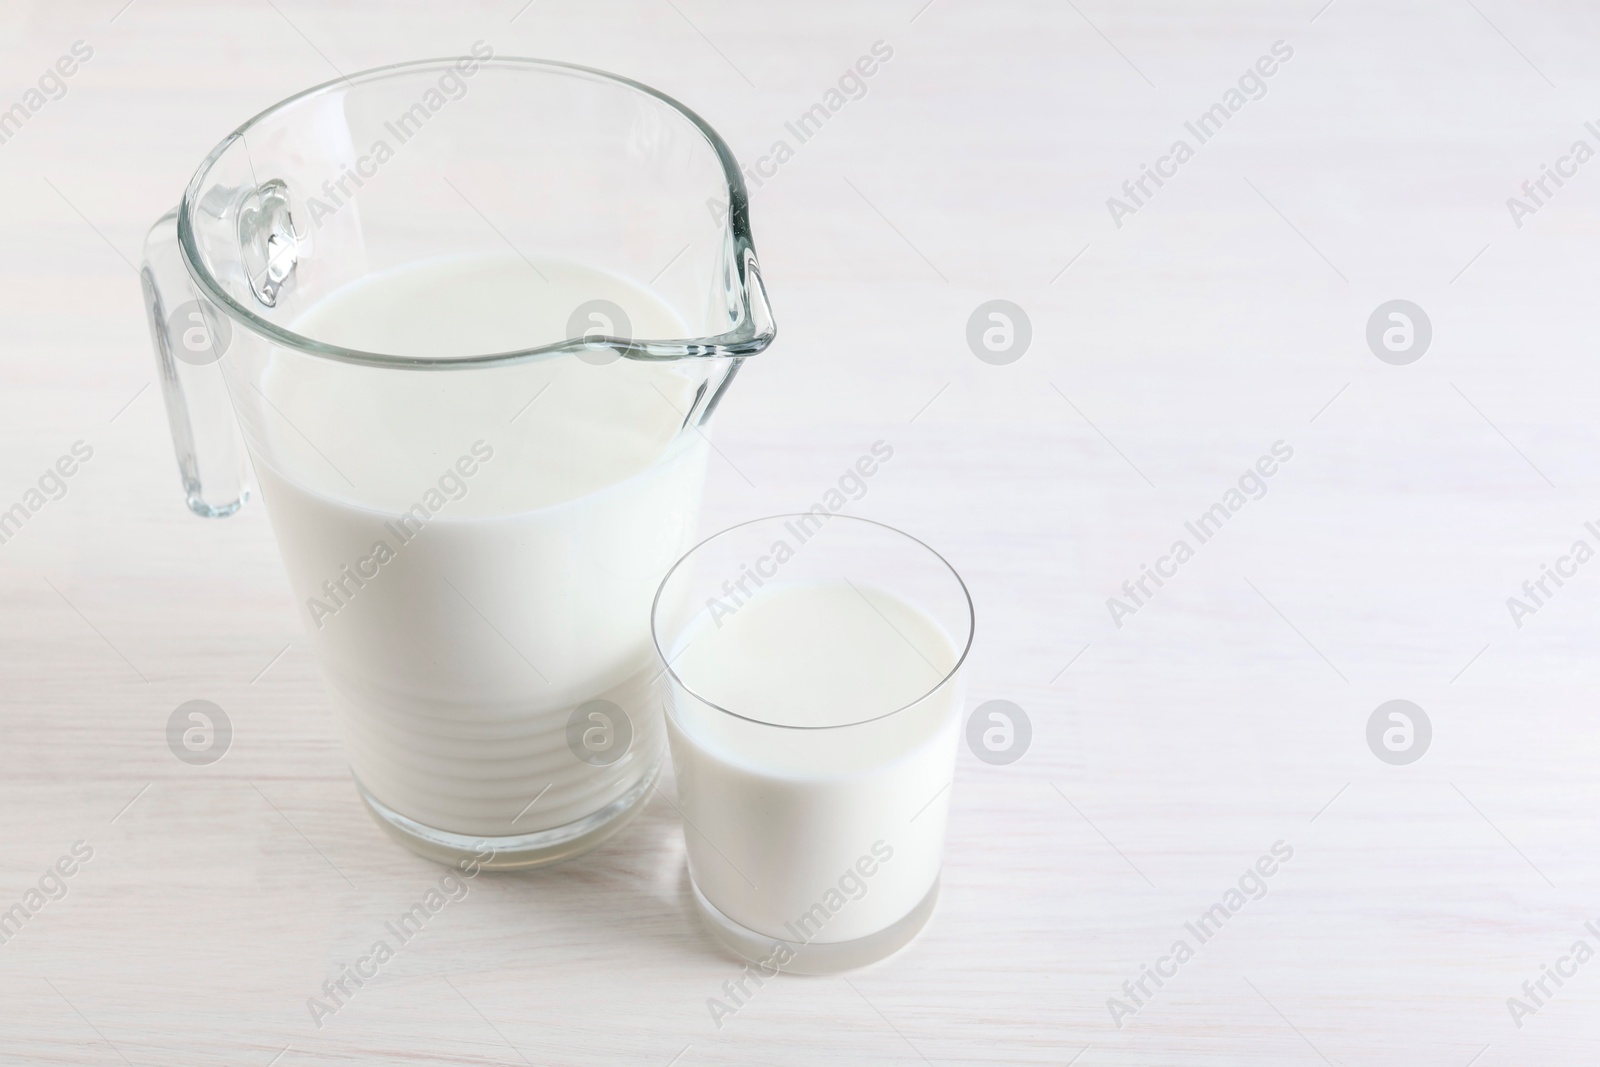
[(752, 335), (966, 596)]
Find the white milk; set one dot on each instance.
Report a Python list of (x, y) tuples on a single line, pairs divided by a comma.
[(471, 568), (850, 818)]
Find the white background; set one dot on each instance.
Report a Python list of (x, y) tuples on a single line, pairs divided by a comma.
[(1230, 713)]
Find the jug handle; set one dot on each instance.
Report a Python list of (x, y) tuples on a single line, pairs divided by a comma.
[(190, 338)]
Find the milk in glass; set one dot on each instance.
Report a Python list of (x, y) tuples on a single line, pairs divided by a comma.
[(810, 805)]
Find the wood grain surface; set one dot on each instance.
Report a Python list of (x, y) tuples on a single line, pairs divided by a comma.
[(1174, 343)]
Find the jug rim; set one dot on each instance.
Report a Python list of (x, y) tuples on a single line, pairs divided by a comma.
[(752, 333)]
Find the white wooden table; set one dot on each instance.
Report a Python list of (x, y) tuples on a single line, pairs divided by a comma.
[(1227, 313)]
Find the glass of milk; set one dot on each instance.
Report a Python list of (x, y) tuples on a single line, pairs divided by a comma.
[(813, 714), (464, 321)]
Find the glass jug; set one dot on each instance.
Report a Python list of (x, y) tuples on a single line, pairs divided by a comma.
[(466, 319)]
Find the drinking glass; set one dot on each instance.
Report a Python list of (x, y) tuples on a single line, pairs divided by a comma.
[(815, 688)]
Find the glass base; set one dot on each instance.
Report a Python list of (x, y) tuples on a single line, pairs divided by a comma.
[(515, 852), (817, 958)]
